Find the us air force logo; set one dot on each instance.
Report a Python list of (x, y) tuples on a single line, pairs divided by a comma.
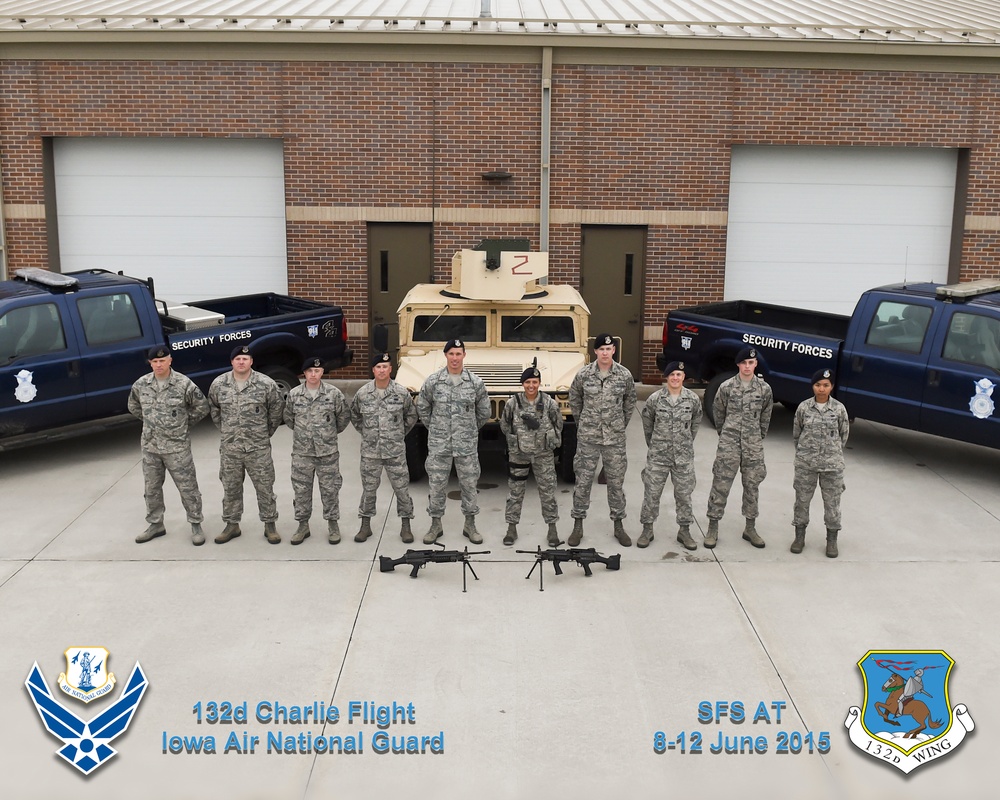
[(86, 743), (686, 342), (86, 677), (981, 405), (907, 719)]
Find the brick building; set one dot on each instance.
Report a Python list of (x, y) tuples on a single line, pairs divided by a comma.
[(668, 156)]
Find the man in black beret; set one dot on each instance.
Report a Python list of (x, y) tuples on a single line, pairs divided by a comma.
[(169, 405)]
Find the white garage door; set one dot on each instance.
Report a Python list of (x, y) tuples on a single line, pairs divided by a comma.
[(204, 217), (814, 227)]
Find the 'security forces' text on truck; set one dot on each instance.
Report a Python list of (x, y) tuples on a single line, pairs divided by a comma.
[(72, 345), (919, 356), (508, 321)]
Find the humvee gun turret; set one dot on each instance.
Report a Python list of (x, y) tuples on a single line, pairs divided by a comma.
[(508, 321)]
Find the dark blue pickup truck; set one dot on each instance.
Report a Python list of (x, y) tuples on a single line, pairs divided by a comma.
[(919, 356), (72, 345)]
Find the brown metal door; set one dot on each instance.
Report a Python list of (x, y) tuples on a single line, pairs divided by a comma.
[(612, 271), (399, 257)]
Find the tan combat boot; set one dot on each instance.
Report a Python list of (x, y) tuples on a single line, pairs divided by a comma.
[(155, 529), (271, 533), (435, 531), (231, 531), (333, 531), (646, 536), (197, 534), (553, 538), (831, 543), (365, 531), (301, 533), (577, 535), (511, 535), (470, 532), (404, 531), (620, 535), (800, 539), (684, 537), (751, 535), (712, 535)]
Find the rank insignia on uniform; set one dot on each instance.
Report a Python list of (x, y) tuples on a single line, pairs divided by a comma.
[(86, 743), (981, 404), (907, 719)]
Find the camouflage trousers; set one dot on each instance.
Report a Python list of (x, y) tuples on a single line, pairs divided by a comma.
[(258, 464), (180, 465), (326, 472), (438, 468), (399, 478), (585, 466), (727, 464), (654, 478), (518, 466), (831, 486)]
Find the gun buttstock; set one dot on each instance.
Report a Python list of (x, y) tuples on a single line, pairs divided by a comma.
[(614, 562), (386, 564)]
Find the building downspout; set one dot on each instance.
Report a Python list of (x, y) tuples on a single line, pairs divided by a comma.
[(545, 148)]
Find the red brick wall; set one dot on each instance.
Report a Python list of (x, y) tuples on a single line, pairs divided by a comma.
[(419, 135)]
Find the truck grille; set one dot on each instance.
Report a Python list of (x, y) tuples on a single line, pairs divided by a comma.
[(496, 375)]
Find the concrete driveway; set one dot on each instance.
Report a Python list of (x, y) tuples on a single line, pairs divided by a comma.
[(556, 694)]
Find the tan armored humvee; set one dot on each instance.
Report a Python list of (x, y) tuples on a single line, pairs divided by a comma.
[(508, 321)]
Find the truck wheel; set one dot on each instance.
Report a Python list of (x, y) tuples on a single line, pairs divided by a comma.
[(416, 452), (284, 377), (566, 454), (711, 391)]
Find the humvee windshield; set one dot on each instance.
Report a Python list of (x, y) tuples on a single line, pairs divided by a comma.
[(537, 329), (436, 328)]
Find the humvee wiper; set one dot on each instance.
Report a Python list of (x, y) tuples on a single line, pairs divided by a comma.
[(527, 318), (439, 317)]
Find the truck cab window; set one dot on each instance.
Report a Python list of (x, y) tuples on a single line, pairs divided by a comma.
[(110, 318), (537, 329), (899, 326), (432, 328), (30, 331), (974, 339)]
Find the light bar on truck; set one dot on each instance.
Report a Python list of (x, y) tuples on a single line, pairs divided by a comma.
[(54, 280), (963, 291)]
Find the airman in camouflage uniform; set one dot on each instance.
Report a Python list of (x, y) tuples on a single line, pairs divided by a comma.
[(453, 405), (169, 405), (246, 407), (383, 413), (670, 422), (316, 412), (742, 411), (820, 432), (602, 397), (533, 426)]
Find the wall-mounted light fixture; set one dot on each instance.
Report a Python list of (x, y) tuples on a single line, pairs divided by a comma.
[(497, 175)]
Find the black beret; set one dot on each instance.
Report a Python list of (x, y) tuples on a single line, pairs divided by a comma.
[(825, 374), (674, 366), (159, 351), (746, 353), (530, 372), (312, 363), (381, 358), (240, 350), (453, 343), (603, 339)]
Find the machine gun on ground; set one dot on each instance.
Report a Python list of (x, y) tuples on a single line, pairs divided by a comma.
[(421, 558), (584, 556)]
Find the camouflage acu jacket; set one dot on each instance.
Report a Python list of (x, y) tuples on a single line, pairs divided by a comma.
[(248, 418), (167, 413), (383, 422), (316, 421), (602, 406), (453, 413)]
